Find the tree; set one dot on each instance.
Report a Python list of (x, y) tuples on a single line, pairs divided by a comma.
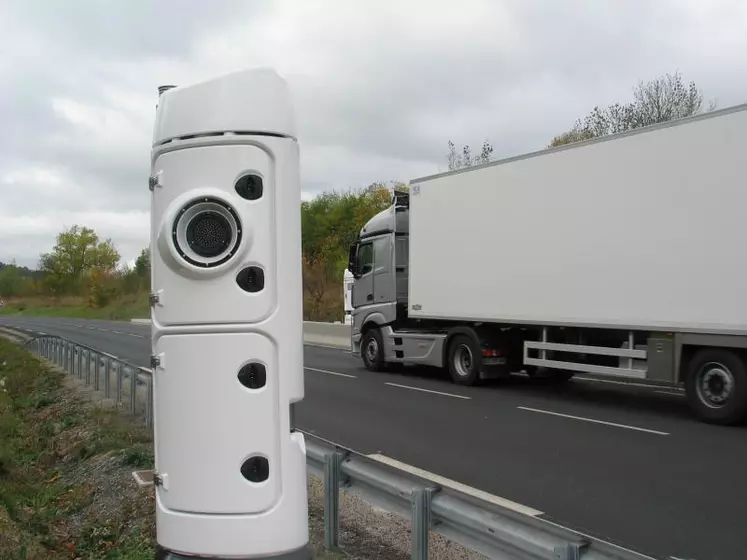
[(660, 100), (142, 263), (11, 281), (77, 252), (465, 159), (331, 222)]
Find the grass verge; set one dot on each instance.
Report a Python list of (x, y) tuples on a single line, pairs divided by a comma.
[(122, 308), (66, 489), (65, 483)]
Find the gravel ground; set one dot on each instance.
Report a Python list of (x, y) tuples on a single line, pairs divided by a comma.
[(368, 533)]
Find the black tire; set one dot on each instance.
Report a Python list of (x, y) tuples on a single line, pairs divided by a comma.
[(716, 386), (372, 350), (464, 360)]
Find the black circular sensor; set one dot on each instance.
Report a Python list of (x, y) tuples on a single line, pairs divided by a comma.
[(251, 279), (253, 376), (249, 187), (208, 234), (256, 469)]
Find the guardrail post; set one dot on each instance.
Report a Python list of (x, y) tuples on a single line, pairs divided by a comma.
[(97, 372), (569, 551), (149, 404), (108, 377), (332, 501), (133, 391), (80, 361), (421, 522), (119, 382), (87, 369)]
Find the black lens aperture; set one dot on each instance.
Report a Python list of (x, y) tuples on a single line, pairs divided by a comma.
[(208, 234)]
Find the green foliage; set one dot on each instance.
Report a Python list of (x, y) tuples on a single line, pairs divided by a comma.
[(331, 222), (77, 252), (663, 99), (81, 273), (11, 281), (142, 264)]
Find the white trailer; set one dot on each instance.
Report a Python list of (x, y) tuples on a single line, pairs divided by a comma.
[(620, 256)]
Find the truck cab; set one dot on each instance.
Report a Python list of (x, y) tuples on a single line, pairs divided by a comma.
[(378, 262)]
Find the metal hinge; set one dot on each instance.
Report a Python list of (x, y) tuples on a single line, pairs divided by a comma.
[(153, 181), (155, 361), (157, 479), (154, 298)]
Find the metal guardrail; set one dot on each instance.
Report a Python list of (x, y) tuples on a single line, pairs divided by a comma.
[(497, 532), (132, 385)]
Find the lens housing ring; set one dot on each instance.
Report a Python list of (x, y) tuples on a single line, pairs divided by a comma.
[(206, 232)]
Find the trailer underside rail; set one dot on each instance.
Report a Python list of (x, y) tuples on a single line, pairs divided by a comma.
[(630, 369)]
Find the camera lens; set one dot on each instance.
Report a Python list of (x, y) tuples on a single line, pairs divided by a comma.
[(208, 234)]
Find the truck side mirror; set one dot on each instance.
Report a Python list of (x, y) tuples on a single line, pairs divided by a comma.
[(353, 259)]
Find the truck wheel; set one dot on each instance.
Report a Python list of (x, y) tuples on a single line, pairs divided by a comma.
[(464, 360), (716, 386), (372, 350)]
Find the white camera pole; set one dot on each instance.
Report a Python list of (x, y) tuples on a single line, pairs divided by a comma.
[(227, 331)]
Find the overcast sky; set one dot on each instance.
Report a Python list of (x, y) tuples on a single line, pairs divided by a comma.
[(379, 86)]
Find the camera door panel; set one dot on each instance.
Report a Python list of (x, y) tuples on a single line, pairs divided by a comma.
[(216, 423), (215, 221)]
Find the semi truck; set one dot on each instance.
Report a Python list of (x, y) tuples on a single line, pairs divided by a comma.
[(619, 257)]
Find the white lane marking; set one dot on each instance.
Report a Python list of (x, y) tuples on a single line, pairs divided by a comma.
[(428, 391), (614, 424), (629, 383), (670, 393), (331, 372), (118, 332), (135, 335), (497, 500)]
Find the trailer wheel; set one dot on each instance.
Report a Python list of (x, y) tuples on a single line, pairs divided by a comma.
[(716, 386), (372, 350), (464, 360)]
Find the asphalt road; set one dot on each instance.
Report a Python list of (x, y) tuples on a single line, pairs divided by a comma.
[(626, 463)]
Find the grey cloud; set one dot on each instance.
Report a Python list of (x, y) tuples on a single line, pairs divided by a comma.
[(132, 28), (379, 90)]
